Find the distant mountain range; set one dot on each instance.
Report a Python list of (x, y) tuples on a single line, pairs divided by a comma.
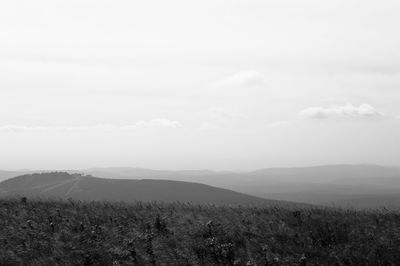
[(359, 186), (80, 187), (365, 185)]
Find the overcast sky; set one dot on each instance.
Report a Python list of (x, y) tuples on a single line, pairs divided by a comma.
[(232, 85)]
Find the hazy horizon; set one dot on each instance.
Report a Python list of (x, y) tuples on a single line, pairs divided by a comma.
[(220, 85), (201, 169)]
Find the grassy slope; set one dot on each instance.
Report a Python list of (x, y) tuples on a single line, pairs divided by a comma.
[(74, 233), (78, 187)]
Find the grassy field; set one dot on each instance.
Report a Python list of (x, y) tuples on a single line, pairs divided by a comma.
[(39, 232)]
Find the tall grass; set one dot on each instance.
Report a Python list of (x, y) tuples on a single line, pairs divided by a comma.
[(39, 232)]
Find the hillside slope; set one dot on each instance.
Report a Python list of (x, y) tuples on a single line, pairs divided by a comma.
[(79, 187), (322, 185), (364, 185)]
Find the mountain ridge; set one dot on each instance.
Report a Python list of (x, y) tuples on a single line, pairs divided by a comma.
[(321, 185), (81, 187)]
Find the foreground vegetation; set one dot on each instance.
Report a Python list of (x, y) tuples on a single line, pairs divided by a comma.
[(75, 233)]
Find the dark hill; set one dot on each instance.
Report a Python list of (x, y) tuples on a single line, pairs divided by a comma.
[(80, 187), (360, 186)]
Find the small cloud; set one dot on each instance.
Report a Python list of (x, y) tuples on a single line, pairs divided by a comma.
[(279, 124), (244, 79), (348, 111)]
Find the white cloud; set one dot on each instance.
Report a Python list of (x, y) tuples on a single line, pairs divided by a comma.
[(244, 79), (348, 111), (160, 122)]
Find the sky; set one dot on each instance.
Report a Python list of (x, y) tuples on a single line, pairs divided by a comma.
[(211, 84)]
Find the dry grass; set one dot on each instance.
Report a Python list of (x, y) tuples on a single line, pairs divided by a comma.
[(42, 232)]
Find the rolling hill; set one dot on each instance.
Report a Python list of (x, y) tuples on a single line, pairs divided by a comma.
[(80, 187), (359, 186)]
